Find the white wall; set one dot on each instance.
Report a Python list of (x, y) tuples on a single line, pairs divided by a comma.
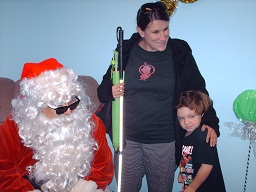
[(82, 35)]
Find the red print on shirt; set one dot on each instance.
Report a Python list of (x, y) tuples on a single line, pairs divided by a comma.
[(146, 71)]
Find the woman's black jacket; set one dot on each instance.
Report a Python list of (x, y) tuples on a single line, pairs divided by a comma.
[(188, 77)]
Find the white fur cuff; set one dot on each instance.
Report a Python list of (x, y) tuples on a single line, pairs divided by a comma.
[(85, 186)]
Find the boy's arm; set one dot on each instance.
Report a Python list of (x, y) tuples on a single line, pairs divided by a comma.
[(200, 177)]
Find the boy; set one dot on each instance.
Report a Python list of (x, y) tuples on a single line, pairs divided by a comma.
[(199, 167)]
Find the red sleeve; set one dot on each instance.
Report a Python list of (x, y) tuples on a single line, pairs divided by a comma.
[(102, 167), (14, 158)]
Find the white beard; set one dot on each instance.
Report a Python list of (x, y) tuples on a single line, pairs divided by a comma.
[(64, 149)]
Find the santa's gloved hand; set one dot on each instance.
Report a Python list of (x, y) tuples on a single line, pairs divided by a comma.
[(35, 190), (86, 186)]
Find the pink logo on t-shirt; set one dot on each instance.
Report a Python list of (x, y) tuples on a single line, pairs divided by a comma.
[(146, 71)]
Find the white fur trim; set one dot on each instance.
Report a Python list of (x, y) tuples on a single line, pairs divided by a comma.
[(35, 190), (85, 186), (108, 189)]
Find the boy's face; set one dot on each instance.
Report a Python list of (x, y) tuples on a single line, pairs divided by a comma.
[(188, 119)]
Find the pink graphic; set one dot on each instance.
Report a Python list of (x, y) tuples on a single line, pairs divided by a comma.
[(146, 71)]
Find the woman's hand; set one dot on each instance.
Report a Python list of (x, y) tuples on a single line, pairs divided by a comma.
[(211, 135), (118, 90)]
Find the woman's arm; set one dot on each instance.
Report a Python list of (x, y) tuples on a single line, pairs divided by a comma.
[(192, 79), (104, 90), (211, 135)]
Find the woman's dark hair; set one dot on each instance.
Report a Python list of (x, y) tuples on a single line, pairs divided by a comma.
[(149, 12)]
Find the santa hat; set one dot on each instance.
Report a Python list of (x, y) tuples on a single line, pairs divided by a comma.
[(31, 70)]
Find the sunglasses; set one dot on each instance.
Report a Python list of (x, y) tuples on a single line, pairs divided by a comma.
[(61, 110)]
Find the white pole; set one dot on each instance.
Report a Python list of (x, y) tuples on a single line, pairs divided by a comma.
[(120, 160)]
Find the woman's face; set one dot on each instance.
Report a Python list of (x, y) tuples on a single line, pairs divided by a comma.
[(155, 36)]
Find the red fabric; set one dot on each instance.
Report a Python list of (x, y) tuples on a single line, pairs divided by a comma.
[(31, 70), (15, 157), (102, 171)]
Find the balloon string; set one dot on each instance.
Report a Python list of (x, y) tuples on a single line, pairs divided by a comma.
[(247, 166)]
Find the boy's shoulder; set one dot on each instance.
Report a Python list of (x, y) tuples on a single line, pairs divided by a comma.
[(200, 135)]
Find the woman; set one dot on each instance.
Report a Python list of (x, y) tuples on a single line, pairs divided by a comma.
[(157, 70)]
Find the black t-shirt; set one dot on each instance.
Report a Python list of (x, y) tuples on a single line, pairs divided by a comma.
[(148, 100), (195, 151)]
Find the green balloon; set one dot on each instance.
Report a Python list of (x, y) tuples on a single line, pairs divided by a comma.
[(244, 106)]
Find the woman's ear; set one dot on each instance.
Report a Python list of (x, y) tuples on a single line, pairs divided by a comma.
[(140, 31)]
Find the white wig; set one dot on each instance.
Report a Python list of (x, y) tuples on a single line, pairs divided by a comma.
[(63, 145)]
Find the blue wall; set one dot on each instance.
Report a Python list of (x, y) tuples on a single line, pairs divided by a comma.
[(82, 35)]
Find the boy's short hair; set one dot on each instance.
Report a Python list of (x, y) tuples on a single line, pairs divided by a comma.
[(195, 100)]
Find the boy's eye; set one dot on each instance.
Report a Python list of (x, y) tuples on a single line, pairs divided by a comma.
[(187, 117), (181, 118), (191, 116)]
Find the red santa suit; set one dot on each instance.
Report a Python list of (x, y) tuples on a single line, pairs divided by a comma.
[(15, 157)]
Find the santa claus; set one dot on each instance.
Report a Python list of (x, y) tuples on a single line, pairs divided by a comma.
[(51, 141)]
